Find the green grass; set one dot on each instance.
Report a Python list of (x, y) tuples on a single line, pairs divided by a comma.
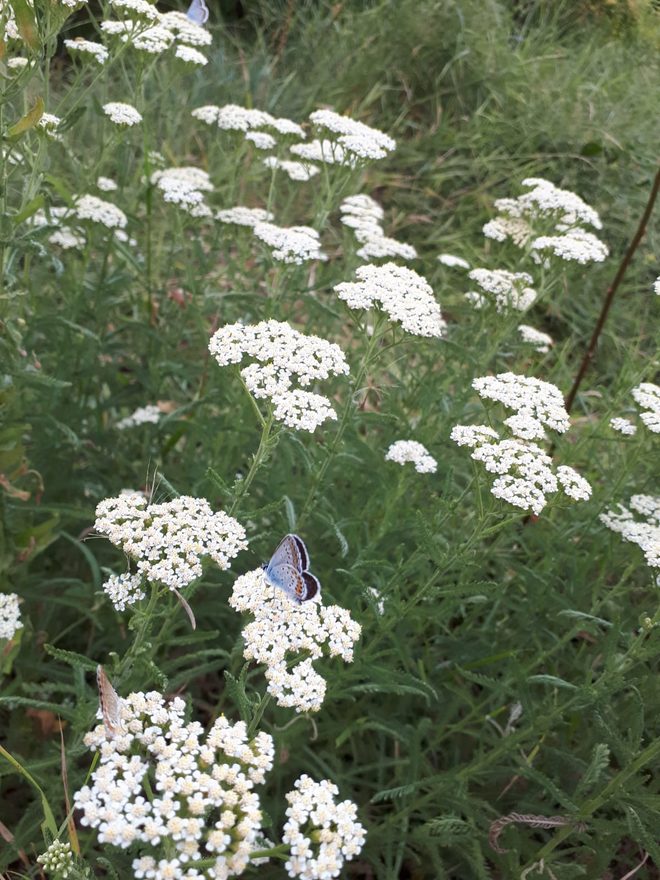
[(485, 610)]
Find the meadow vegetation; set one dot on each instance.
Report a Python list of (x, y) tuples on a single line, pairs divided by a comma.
[(473, 691)]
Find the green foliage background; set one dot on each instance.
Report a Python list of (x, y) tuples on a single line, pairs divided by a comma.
[(483, 609)]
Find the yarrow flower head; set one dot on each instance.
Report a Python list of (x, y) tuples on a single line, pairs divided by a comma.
[(10, 615), (322, 833), (87, 47), (645, 531), (124, 589), (363, 214), (161, 779), (508, 290), (538, 402), (541, 341), (453, 262), (280, 354), (232, 117), (361, 141), (143, 414), (549, 220), (242, 216), (282, 630), (122, 114), (106, 184), (647, 396), (301, 171), (525, 475), (403, 451), (57, 860), (401, 293), (623, 426), (185, 187), (169, 540), (97, 210), (291, 244)]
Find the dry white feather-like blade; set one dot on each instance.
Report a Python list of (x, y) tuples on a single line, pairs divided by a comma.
[(110, 702), (186, 607)]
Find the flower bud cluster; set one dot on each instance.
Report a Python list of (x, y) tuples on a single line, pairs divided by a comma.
[(161, 783), (57, 860), (282, 630), (170, 540), (322, 833)]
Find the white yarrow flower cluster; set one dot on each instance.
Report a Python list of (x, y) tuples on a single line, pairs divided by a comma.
[(525, 476), (453, 262), (281, 630), (656, 286), (161, 783), (122, 114), (261, 139), (57, 860), (300, 171), (541, 341), (647, 396), (242, 216), (403, 451), (185, 186), (401, 293), (508, 290), (538, 403), (644, 532), (363, 214), (359, 141), (87, 47), (106, 184), (623, 426), (124, 590), (290, 244), (322, 833), (49, 123), (190, 55), (281, 355), (10, 615), (150, 414), (232, 117), (147, 30), (548, 220), (97, 210), (169, 540)]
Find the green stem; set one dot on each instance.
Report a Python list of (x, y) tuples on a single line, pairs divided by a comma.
[(256, 718), (258, 460)]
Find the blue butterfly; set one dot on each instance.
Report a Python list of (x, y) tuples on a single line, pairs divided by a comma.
[(198, 12), (288, 570)]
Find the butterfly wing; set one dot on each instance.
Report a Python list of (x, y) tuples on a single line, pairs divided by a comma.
[(302, 550), (286, 578), (198, 12), (312, 586), (288, 553), (110, 702)]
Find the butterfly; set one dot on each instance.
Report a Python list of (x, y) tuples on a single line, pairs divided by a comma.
[(198, 12), (110, 703), (288, 570)]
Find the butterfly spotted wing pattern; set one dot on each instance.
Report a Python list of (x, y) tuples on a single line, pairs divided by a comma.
[(288, 570), (198, 12), (110, 702)]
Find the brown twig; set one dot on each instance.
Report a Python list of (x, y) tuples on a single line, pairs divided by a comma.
[(612, 289)]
